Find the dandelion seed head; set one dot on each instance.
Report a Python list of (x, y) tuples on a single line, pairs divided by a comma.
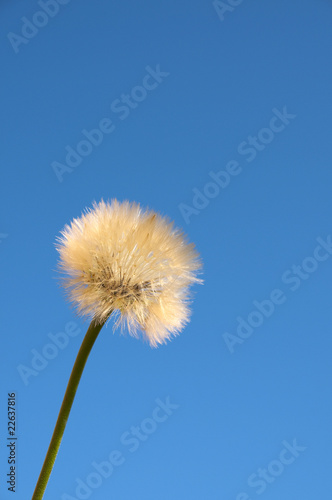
[(117, 256)]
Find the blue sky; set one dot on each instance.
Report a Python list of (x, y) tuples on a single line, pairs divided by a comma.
[(217, 114)]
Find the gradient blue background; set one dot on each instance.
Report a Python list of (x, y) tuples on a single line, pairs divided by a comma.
[(225, 77)]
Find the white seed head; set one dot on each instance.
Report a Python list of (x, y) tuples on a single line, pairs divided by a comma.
[(117, 256)]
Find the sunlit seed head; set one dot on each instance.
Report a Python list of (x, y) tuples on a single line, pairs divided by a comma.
[(117, 256)]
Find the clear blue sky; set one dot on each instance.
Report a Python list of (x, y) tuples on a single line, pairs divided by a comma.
[(221, 119)]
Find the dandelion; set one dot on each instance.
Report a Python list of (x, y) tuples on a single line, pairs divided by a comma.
[(118, 256), (120, 259)]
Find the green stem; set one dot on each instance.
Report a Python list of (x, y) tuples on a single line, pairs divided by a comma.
[(68, 399)]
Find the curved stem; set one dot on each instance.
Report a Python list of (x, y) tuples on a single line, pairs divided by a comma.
[(68, 399)]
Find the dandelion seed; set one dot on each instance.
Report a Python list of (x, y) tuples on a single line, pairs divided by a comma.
[(118, 256)]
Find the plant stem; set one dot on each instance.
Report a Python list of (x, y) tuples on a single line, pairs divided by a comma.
[(68, 399)]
